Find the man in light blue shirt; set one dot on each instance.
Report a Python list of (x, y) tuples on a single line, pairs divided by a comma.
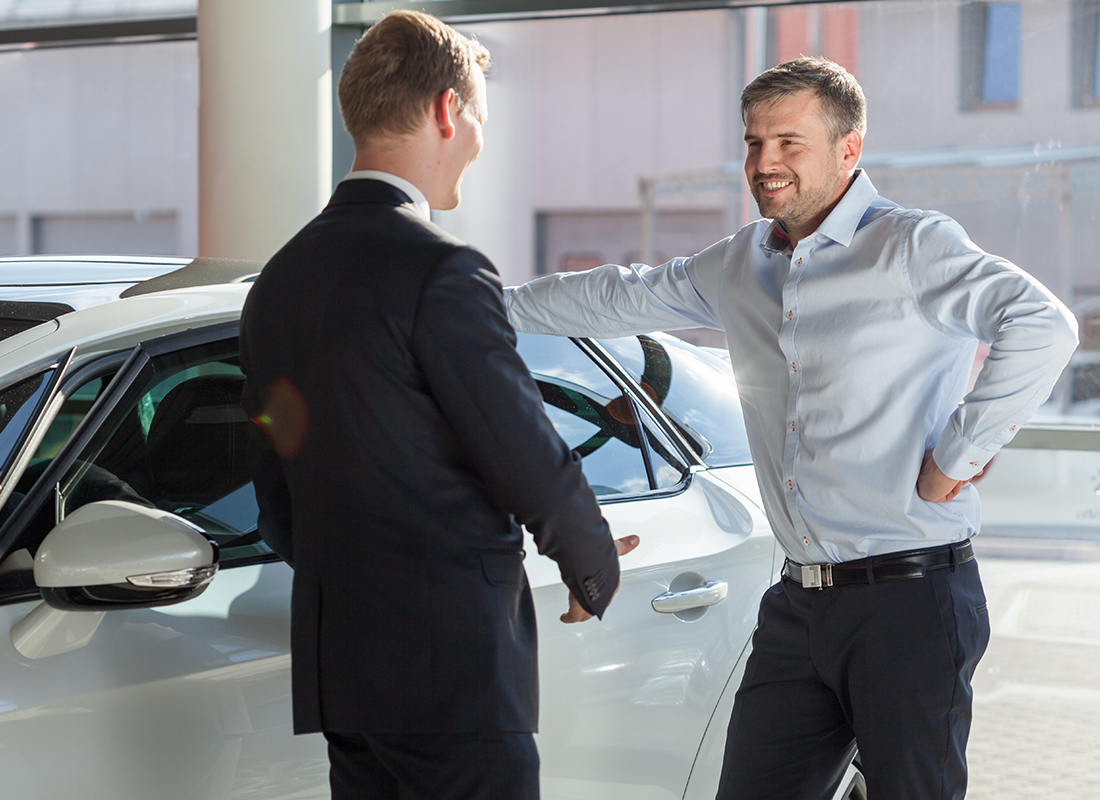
[(852, 326)]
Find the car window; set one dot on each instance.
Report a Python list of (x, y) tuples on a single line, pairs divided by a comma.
[(694, 388), (73, 410), (177, 441), (597, 420), (19, 404), (668, 465)]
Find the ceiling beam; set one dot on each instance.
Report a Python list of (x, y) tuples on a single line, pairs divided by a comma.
[(115, 30), (367, 13)]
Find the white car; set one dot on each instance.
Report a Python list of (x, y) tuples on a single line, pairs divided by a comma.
[(145, 646)]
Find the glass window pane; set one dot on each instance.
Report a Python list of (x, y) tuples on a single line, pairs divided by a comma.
[(178, 442), (695, 388), (1001, 54), (73, 410), (1038, 494), (18, 407), (589, 412), (1095, 42)]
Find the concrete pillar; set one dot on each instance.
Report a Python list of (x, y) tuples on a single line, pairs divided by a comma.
[(265, 122)]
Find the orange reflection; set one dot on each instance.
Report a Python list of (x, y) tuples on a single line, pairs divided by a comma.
[(285, 418)]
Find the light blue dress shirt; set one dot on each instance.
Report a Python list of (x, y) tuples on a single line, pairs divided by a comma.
[(852, 352)]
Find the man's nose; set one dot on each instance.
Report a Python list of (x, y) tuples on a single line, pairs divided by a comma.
[(767, 157)]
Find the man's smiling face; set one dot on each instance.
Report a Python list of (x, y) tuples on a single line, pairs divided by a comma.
[(795, 172)]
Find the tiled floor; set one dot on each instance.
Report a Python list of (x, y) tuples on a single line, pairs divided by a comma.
[(1036, 727)]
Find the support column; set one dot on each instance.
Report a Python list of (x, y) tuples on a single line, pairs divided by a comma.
[(265, 122)]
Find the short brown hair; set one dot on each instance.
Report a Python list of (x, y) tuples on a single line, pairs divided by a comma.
[(398, 67), (843, 106)]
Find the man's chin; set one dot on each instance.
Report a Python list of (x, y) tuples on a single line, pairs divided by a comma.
[(769, 210)]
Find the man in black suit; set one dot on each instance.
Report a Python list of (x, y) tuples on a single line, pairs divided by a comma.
[(405, 443)]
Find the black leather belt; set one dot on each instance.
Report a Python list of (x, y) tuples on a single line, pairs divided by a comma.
[(878, 569)]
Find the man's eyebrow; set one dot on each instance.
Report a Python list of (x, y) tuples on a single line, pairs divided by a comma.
[(791, 135)]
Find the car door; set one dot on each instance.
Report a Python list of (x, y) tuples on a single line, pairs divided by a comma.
[(626, 701), (182, 701), (193, 700)]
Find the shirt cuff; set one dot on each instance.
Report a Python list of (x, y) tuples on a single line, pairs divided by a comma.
[(957, 457)]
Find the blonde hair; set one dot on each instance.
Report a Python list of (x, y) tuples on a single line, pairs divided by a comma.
[(398, 67)]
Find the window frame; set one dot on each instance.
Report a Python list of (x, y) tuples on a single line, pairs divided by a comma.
[(1085, 53), (974, 21)]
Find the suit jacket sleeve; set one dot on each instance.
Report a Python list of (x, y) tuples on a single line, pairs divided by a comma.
[(466, 348)]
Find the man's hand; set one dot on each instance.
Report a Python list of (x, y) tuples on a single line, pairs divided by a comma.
[(934, 486), (576, 612)]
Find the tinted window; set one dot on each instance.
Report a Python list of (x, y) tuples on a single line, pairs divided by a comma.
[(73, 410), (597, 420), (694, 388), (18, 407), (177, 441)]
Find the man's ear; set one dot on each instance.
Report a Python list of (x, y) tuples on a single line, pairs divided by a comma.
[(444, 109), (851, 148)]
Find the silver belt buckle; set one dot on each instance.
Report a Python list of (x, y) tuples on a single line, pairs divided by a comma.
[(817, 576)]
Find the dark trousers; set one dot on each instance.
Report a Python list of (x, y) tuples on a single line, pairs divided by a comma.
[(433, 766), (886, 667)]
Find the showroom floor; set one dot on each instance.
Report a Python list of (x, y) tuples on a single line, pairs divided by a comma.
[(1036, 730)]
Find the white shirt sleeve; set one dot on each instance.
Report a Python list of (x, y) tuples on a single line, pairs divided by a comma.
[(611, 301)]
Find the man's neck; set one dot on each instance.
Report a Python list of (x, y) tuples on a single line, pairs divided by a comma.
[(407, 157)]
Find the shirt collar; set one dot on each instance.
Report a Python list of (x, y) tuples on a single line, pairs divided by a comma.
[(419, 202), (840, 225)]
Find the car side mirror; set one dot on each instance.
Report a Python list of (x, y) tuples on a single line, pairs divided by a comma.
[(110, 555)]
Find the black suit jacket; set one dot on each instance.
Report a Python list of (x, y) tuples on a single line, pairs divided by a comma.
[(406, 438)]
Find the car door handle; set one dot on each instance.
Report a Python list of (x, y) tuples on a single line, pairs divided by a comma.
[(708, 594)]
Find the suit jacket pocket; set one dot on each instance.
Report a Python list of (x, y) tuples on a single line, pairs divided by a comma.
[(503, 567)]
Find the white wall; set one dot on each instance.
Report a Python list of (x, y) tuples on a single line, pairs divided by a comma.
[(107, 130), (579, 109)]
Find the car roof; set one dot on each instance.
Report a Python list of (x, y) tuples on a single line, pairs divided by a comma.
[(82, 281), (83, 270), (121, 324), (37, 289)]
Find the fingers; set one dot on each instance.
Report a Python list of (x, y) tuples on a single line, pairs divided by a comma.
[(576, 612), (626, 544), (932, 485)]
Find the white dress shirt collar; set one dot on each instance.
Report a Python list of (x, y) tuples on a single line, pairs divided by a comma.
[(419, 201)]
